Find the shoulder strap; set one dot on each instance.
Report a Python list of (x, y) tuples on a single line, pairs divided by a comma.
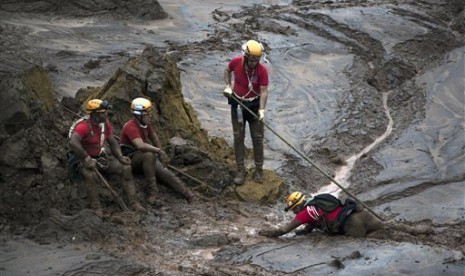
[(326, 203), (85, 118)]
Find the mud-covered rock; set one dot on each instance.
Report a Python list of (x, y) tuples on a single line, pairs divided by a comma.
[(25, 97), (33, 164)]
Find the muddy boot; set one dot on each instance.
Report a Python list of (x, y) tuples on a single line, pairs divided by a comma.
[(189, 195), (179, 186), (258, 175), (94, 199), (152, 197), (240, 177), (132, 197)]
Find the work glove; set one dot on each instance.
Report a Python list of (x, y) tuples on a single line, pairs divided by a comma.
[(89, 163), (227, 92), (164, 158), (261, 114), (125, 160)]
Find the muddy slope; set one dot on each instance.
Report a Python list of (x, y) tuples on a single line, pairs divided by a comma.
[(47, 229)]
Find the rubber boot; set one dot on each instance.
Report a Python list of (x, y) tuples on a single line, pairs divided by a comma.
[(256, 131), (134, 204), (152, 191), (94, 198), (181, 188), (240, 176), (258, 175), (189, 195)]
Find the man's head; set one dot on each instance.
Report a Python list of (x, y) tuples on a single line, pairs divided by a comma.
[(98, 110), (252, 51), (140, 107), (294, 202)]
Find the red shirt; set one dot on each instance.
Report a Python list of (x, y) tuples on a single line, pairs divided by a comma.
[(258, 77), (91, 143), (132, 130), (310, 215)]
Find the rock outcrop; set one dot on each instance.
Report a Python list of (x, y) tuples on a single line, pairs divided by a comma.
[(33, 165)]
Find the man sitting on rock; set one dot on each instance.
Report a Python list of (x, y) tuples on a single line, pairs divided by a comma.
[(326, 213), (87, 141), (145, 157)]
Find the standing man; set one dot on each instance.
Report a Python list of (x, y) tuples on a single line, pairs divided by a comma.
[(251, 89), (140, 142), (87, 141)]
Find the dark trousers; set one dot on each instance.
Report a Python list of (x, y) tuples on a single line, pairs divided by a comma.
[(256, 132)]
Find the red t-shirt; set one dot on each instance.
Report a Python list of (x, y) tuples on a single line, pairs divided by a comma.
[(131, 131), (258, 77), (91, 143), (310, 215)]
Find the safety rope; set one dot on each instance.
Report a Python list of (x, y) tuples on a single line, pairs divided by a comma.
[(310, 161)]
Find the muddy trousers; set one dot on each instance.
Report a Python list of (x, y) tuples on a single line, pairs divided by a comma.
[(154, 171), (146, 161), (170, 179), (125, 176), (359, 224), (256, 132), (92, 186)]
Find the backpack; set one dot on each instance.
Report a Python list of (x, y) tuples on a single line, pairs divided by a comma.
[(325, 202), (328, 203)]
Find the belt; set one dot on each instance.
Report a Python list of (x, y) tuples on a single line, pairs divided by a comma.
[(246, 99)]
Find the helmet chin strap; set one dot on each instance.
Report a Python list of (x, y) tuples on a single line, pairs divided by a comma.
[(140, 122)]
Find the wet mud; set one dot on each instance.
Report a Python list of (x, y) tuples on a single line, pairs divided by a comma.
[(342, 75)]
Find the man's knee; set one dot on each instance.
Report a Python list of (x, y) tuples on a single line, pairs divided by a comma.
[(89, 175), (238, 136), (127, 171), (148, 156)]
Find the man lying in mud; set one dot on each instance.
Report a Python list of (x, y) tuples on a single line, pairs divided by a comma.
[(328, 214)]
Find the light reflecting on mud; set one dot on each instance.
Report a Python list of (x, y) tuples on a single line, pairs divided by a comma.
[(343, 173)]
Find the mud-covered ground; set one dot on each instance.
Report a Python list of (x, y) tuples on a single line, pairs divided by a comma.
[(371, 91)]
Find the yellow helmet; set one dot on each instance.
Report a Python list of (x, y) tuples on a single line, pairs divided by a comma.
[(96, 105), (140, 106), (293, 200), (252, 48)]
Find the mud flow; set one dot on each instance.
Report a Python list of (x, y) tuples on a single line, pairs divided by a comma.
[(370, 92)]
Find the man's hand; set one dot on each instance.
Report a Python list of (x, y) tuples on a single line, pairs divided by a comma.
[(89, 163), (164, 158), (125, 160), (261, 114), (227, 92), (267, 233)]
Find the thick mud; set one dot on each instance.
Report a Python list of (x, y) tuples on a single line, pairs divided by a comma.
[(371, 91)]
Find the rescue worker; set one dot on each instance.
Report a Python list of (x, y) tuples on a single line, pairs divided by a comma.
[(347, 219), (315, 217), (87, 141), (140, 143), (250, 88)]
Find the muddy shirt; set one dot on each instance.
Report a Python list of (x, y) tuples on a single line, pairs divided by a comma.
[(91, 141), (310, 215), (258, 77), (131, 131)]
